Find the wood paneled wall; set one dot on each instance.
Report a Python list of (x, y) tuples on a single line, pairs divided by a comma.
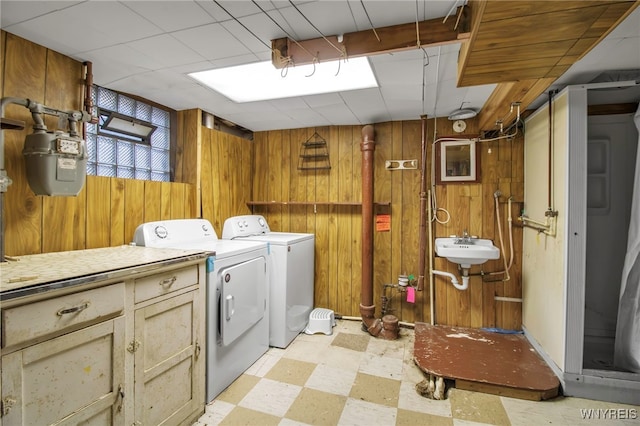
[(338, 227), (220, 173), (225, 177), (107, 210)]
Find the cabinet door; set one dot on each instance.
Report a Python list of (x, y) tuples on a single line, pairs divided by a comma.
[(72, 379), (169, 369)]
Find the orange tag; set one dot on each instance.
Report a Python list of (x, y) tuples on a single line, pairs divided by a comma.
[(383, 222)]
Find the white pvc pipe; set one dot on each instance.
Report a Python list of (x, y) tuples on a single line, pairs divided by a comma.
[(431, 293), (453, 278)]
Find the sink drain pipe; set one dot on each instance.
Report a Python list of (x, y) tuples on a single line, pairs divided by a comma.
[(386, 328)]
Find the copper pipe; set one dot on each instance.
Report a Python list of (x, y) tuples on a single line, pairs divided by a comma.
[(88, 90), (423, 205), (367, 146), (386, 328)]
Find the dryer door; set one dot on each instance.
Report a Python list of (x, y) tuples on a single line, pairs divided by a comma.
[(243, 302)]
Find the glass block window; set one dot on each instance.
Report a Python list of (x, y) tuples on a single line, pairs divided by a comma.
[(115, 154)]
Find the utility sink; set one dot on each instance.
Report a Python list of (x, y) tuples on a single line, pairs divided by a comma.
[(466, 252)]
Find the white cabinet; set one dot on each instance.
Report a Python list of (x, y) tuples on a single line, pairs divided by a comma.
[(126, 350), (53, 374), (168, 347), (75, 378)]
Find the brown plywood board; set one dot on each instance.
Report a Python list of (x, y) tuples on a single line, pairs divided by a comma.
[(481, 356)]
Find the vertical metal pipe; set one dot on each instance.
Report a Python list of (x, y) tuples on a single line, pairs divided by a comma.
[(423, 204), (367, 309), (367, 146)]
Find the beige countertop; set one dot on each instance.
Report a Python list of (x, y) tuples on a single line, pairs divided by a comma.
[(75, 267)]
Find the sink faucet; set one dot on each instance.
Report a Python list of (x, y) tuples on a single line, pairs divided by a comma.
[(465, 239)]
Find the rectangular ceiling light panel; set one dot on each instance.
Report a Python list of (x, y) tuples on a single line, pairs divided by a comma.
[(261, 81)]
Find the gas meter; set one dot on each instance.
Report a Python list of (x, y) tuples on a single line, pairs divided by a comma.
[(56, 162)]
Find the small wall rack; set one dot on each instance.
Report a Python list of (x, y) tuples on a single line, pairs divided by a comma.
[(314, 154)]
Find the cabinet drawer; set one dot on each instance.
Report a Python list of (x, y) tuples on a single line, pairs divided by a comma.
[(54, 316), (163, 283)]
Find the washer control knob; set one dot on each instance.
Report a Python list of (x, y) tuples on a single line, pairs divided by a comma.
[(261, 222)]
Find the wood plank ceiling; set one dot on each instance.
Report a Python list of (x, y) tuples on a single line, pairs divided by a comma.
[(526, 46)]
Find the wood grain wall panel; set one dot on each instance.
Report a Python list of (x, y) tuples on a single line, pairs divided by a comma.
[(338, 228), (177, 201), (133, 206), (98, 226), (323, 183), (396, 250), (117, 201), (107, 210), (59, 218), (165, 200), (410, 191), (216, 165), (152, 201), (206, 176), (274, 188), (24, 65)]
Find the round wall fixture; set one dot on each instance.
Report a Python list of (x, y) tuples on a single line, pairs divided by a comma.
[(459, 126)]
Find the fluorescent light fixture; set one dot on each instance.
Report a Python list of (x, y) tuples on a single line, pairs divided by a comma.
[(130, 126), (261, 81)]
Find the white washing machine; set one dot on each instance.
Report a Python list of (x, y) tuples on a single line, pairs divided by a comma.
[(292, 274), (237, 295)]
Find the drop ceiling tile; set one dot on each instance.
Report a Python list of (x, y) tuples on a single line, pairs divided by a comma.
[(166, 50), (212, 42), (13, 11), (171, 15)]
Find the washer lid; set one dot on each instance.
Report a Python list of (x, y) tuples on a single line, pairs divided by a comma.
[(222, 248), (279, 238)]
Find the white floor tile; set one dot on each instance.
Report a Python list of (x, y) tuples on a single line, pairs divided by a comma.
[(305, 350), (382, 366), (363, 413), (331, 379), (271, 397), (386, 348), (339, 357)]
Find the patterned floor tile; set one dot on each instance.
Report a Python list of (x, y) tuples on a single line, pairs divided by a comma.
[(316, 407), (271, 397), (331, 379), (363, 413), (375, 389), (291, 371)]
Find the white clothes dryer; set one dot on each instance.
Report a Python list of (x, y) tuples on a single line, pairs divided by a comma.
[(237, 295), (292, 274)]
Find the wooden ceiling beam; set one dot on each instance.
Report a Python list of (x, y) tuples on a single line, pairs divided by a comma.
[(395, 38)]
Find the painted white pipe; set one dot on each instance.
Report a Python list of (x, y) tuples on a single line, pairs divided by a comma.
[(453, 278), (431, 293)]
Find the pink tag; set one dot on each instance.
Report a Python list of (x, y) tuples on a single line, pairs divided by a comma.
[(411, 295)]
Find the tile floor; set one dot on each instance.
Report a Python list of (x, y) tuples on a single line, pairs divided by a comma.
[(350, 378)]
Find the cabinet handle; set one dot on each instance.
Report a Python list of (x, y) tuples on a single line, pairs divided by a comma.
[(197, 351), (73, 310), (168, 282), (120, 397)]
